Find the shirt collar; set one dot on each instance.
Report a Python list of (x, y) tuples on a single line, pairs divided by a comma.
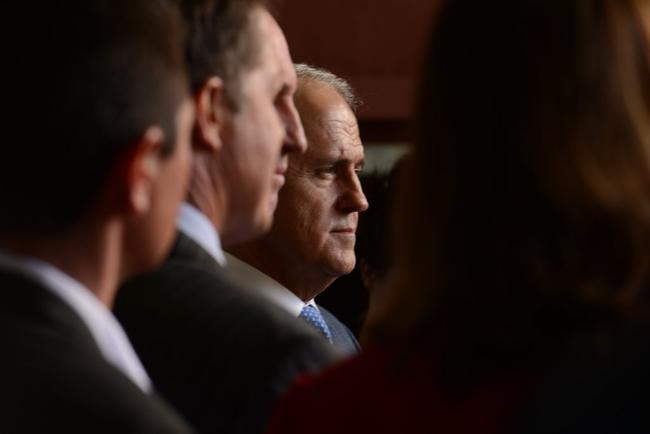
[(103, 326), (200, 229), (254, 279)]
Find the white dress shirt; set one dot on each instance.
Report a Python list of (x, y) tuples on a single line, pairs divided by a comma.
[(103, 326), (200, 229), (250, 277)]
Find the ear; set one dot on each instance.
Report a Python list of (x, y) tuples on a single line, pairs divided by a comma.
[(209, 115), (141, 168)]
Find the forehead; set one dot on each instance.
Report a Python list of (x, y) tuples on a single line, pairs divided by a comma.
[(274, 59), (330, 125)]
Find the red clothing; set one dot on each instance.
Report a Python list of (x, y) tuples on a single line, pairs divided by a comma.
[(371, 394)]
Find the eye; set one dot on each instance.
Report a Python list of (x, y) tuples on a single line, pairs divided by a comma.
[(326, 171)]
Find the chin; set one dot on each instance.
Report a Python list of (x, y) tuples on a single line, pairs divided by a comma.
[(256, 227), (264, 223), (273, 202), (342, 266)]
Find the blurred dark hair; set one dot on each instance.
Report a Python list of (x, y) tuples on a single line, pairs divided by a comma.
[(83, 81), (527, 204), (221, 41)]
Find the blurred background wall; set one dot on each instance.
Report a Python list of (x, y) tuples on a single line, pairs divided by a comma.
[(375, 44)]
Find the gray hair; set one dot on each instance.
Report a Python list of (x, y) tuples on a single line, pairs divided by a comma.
[(312, 73)]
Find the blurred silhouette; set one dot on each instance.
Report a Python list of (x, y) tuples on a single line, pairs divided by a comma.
[(523, 236), (95, 162)]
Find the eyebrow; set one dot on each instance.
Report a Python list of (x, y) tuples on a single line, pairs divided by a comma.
[(336, 161)]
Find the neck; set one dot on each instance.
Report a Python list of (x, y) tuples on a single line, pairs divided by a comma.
[(302, 281), (89, 254), (206, 192)]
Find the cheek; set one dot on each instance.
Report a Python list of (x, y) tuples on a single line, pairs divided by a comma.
[(266, 129), (305, 213), (264, 155), (246, 166), (314, 224)]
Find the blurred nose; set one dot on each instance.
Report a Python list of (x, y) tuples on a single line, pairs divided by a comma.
[(295, 140)]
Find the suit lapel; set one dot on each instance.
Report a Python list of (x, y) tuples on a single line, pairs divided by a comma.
[(341, 336), (187, 250)]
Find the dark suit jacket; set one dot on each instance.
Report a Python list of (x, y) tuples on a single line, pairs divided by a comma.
[(221, 354), (342, 337), (53, 378)]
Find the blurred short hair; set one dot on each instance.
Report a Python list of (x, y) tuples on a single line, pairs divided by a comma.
[(80, 89), (221, 41)]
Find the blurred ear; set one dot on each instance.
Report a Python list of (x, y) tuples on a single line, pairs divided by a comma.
[(140, 169), (209, 115)]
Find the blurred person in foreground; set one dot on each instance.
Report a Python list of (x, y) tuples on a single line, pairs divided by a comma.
[(219, 352), (94, 166), (311, 242), (521, 299)]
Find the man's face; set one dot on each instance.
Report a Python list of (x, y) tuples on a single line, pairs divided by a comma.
[(319, 206), (259, 135), (152, 234)]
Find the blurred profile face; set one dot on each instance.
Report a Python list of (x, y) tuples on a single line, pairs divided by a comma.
[(643, 8), (319, 206), (259, 134), (151, 236)]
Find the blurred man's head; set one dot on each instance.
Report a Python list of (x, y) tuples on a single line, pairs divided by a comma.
[(312, 239), (99, 125), (244, 82)]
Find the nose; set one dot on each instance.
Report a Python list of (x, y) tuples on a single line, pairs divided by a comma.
[(295, 139), (352, 198)]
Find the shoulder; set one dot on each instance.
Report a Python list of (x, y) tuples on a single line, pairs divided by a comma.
[(208, 343), (52, 382), (158, 311), (183, 297)]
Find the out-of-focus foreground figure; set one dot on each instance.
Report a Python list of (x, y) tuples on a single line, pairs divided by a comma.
[(521, 301), (95, 161)]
